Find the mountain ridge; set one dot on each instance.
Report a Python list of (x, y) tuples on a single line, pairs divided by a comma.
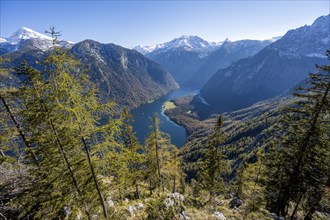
[(26, 35), (120, 74), (270, 72)]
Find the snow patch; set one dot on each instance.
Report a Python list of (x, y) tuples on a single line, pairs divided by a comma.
[(144, 49), (124, 61), (188, 43), (316, 55), (227, 74), (3, 40), (219, 215), (202, 100)]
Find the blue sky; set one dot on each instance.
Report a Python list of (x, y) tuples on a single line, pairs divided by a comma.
[(130, 23)]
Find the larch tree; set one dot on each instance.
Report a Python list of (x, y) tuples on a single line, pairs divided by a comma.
[(127, 160), (153, 144), (60, 116), (133, 154), (162, 162)]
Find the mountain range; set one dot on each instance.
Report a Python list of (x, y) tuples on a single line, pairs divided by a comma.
[(121, 74), (192, 60), (192, 43), (232, 74), (229, 52), (182, 56), (270, 72)]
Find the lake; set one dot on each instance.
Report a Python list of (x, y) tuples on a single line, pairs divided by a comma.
[(143, 114)]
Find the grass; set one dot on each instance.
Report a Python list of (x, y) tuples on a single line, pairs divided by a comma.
[(168, 105)]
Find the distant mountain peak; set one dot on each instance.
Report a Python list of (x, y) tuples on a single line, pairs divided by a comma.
[(39, 41), (25, 33), (190, 42), (144, 49), (185, 42), (271, 71), (309, 40)]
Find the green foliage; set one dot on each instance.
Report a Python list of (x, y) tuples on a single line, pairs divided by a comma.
[(164, 207), (162, 161), (59, 113), (156, 209), (299, 162), (251, 186), (128, 160), (212, 164)]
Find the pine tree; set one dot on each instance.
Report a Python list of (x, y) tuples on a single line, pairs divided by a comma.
[(300, 164), (213, 163)]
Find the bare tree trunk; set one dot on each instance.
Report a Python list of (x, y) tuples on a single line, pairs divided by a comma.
[(95, 180), (157, 162), (62, 151), (18, 127), (150, 188), (137, 193), (74, 180), (296, 208)]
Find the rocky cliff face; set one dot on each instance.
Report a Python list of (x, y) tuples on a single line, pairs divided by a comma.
[(228, 53), (123, 75), (270, 72), (182, 56)]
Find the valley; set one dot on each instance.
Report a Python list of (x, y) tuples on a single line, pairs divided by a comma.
[(184, 129), (142, 118)]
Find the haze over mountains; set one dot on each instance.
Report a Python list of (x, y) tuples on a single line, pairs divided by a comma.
[(192, 60), (272, 71), (230, 51), (182, 56), (243, 72), (120, 74)]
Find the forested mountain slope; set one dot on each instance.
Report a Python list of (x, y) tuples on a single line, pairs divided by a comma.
[(120, 74)]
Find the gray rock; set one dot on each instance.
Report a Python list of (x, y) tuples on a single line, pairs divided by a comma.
[(275, 217), (139, 206), (110, 202), (184, 216), (132, 210), (169, 202), (219, 215), (177, 196)]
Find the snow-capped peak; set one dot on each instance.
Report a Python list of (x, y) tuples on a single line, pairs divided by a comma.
[(188, 43), (39, 41), (144, 49), (273, 39), (26, 33)]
